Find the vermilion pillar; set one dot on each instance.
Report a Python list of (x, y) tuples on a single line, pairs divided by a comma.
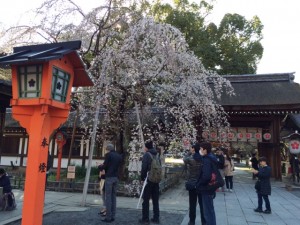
[(39, 124), (42, 78), (61, 141)]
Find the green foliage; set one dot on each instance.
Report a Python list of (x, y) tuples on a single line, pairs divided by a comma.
[(233, 47), (80, 172)]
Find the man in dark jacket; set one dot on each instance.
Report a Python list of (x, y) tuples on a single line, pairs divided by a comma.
[(111, 166), (254, 164), (204, 178), (264, 189), (221, 162), (151, 189), (193, 162)]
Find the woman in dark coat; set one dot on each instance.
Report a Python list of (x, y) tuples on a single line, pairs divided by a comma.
[(5, 184), (264, 188)]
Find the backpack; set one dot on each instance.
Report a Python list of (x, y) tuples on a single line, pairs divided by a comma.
[(155, 172), (8, 202), (215, 182)]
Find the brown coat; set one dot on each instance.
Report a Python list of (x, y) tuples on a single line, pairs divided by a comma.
[(228, 167)]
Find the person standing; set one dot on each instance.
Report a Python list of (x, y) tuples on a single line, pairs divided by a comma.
[(101, 179), (297, 169), (207, 195), (254, 164), (294, 162), (151, 189), (264, 188), (7, 192), (111, 166), (193, 162), (221, 162), (228, 172)]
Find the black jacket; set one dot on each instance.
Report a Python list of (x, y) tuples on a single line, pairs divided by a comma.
[(194, 166), (112, 163), (254, 163), (5, 183), (221, 161), (146, 162), (264, 174)]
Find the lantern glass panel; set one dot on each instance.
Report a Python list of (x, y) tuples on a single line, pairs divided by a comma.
[(29, 79), (60, 84)]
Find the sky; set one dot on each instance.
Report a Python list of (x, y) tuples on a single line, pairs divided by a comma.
[(280, 18)]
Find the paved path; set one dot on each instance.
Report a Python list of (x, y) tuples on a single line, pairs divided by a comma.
[(231, 208)]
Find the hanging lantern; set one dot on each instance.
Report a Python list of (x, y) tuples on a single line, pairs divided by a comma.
[(258, 136), (248, 135), (240, 135), (267, 136), (205, 134), (230, 135), (294, 146)]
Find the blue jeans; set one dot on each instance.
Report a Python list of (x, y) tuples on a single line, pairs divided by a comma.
[(111, 197), (260, 201), (208, 208)]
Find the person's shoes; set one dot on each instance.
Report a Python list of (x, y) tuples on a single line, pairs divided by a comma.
[(230, 190), (107, 220), (267, 211), (154, 221), (227, 190), (258, 210), (141, 221), (191, 223)]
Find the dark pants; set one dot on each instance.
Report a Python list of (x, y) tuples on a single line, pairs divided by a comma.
[(208, 208), (294, 175), (193, 196), (151, 191), (111, 197), (229, 183), (260, 201)]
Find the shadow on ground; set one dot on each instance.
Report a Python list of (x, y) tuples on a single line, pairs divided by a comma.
[(91, 217)]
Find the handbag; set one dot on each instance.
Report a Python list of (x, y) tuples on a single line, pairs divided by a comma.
[(190, 185), (257, 185), (215, 182)]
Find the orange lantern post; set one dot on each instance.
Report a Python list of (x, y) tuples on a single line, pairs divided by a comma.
[(42, 78), (61, 141)]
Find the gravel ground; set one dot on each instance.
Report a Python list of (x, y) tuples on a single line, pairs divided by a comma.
[(91, 217)]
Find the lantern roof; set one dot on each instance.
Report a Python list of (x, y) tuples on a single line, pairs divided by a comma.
[(52, 51)]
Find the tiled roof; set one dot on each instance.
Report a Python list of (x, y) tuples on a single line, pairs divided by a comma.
[(262, 89)]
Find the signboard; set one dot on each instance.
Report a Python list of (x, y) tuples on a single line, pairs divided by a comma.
[(71, 169), (71, 172), (70, 175)]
